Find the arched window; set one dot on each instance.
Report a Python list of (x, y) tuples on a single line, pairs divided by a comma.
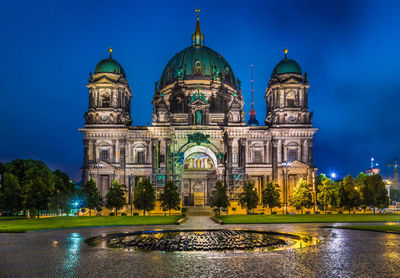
[(290, 102), (105, 100)]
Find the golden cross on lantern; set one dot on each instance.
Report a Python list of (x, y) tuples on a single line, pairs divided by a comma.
[(197, 11)]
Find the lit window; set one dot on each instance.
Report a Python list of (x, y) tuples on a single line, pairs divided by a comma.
[(234, 158)]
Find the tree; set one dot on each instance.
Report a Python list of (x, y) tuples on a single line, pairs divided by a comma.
[(349, 196), (219, 198), (11, 194), (38, 195), (328, 194), (91, 195), (395, 194), (144, 196), (302, 196), (248, 198), (271, 196), (64, 189), (170, 198), (374, 192), (318, 181), (115, 197)]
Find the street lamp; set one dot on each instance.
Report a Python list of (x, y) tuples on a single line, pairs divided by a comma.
[(333, 176), (286, 165), (130, 192)]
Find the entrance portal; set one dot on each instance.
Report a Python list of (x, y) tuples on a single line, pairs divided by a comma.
[(198, 179)]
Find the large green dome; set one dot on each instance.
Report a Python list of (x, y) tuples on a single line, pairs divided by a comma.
[(286, 66), (197, 62), (109, 66)]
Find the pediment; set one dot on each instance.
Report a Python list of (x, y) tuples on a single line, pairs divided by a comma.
[(106, 165), (199, 102), (104, 79), (292, 80), (298, 164)]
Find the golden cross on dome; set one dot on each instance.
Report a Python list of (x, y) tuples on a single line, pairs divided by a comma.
[(110, 50), (285, 51), (197, 11)]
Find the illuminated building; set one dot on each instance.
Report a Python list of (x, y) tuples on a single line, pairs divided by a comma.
[(198, 133)]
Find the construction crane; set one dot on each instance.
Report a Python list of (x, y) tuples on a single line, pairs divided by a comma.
[(395, 182)]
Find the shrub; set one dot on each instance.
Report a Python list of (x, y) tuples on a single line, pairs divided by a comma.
[(216, 210), (112, 214), (33, 212), (123, 214), (135, 214), (274, 212), (83, 210), (317, 212), (340, 212), (307, 212), (329, 212)]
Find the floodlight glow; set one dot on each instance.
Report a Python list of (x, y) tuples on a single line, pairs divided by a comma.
[(333, 175)]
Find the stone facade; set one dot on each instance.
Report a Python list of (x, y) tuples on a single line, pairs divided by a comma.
[(198, 133)]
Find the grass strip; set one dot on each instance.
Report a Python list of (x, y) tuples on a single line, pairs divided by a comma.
[(308, 218), (62, 222)]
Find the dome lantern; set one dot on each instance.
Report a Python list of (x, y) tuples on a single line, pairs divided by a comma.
[(197, 37)]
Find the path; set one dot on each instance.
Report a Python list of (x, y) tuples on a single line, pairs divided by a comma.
[(200, 222)]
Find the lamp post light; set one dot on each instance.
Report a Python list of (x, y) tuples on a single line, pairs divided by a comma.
[(130, 193), (286, 165)]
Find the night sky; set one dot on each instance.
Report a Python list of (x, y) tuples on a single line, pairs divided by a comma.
[(350, 50)]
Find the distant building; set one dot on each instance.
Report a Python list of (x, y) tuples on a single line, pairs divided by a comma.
[(374, 170)]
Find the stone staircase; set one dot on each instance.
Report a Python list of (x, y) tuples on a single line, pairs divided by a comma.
[(199, 211)]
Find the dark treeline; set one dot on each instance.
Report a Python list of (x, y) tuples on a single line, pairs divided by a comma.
[(28, 184), (351, 193)]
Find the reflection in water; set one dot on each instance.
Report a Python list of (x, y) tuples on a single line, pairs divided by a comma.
[(73, 252), (390, 250), (338, 255)]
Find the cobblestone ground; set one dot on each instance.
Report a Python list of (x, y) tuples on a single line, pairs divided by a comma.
[(63, 253)]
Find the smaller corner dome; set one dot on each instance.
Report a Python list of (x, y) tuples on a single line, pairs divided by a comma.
[(109, 66), (287, 66)]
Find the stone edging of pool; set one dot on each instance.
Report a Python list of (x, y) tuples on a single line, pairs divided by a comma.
[(361, 229)]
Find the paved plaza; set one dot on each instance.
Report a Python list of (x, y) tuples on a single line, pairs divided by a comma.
[(63, 253)]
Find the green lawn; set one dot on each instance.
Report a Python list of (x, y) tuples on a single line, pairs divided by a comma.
[(82, 221), (307, 218), (376, 228), (11, 217)]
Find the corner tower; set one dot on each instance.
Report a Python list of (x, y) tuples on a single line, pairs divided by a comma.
[(109, 95), (106, 122), (287, 96)]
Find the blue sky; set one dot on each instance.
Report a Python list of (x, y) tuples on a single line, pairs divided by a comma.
[(348, 48)]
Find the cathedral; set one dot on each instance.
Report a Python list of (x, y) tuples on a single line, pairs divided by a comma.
[(198, 133)]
